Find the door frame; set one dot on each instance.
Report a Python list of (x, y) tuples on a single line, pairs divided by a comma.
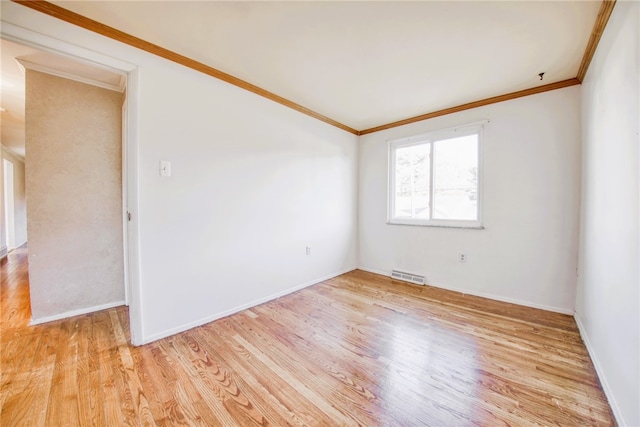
[(130, 238)]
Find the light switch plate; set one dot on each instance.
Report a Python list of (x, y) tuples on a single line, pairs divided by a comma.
[(165, 168)]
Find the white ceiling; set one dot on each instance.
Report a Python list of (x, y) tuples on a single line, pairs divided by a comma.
[(361, 63), (367, 63)]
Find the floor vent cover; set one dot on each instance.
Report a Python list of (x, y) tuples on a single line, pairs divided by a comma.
[(407, 277)]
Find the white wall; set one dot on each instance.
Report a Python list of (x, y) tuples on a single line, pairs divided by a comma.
[(608, 299), (20, 198), (253, 184), (527, 252)]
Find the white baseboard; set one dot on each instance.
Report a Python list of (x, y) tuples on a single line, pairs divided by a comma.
[(617, 413), (483, 294), (375, 271), (76, 312), (3, 252), (213, 317)]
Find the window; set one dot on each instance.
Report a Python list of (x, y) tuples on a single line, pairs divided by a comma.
[(435, 178)]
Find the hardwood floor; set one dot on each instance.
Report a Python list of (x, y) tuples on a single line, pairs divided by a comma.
[(359, 349)]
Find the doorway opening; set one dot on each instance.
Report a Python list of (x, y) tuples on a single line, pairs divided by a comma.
[(127, 73), (9, 222)]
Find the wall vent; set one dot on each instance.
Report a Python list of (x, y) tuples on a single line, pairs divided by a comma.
[(407, 277)]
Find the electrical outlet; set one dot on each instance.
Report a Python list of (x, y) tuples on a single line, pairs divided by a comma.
[(462, 257), (308, 250)]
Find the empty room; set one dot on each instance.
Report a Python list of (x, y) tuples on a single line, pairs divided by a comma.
[(331, 213)]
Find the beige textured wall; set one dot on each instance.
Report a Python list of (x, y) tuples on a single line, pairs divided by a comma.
[(74, 192)]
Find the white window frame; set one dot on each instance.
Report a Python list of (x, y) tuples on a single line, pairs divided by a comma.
[(431, 137)]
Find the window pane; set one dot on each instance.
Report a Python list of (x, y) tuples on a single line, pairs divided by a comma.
[(412, 182), (455, 189)]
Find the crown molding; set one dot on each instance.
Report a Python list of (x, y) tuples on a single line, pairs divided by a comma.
[(115, 34), (89, 24), (596, 33), (475, 104), (29, 65)]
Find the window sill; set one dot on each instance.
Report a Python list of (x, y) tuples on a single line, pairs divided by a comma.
[(472, 227)]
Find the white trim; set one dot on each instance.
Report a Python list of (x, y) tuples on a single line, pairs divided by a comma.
[(430, 139), (9, 151), (47, 43), (75, 77), (561, 310), (375, 271), (437, 133), (73, 313), (4, 252), (239, 308), (131, 206), (438, 224), (617, 413), (125, 212)]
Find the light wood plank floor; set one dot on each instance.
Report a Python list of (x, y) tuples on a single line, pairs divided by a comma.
[(359, 349)]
